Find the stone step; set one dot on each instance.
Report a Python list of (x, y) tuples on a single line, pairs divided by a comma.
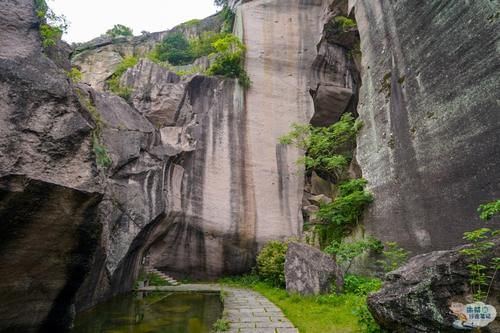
[(164, 276)]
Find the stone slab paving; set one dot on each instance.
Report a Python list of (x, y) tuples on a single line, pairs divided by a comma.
[(246, 310)]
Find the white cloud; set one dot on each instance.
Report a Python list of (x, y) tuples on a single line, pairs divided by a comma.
[(91, 18)]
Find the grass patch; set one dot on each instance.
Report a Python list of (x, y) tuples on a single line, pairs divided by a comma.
[(310, 314)]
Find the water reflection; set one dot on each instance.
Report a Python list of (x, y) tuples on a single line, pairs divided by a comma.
[(152, 313)]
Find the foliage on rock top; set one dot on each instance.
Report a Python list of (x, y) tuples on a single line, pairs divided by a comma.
[(175, 49), (52, 26), (119, 30)]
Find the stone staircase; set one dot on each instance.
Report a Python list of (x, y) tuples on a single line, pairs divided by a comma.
[(164, 276)]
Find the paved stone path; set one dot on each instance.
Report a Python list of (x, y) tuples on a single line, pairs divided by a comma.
[(246, 310)]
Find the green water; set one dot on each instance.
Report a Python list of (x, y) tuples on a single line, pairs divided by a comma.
[(151, 313)]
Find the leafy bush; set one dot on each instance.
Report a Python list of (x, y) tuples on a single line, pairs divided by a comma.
[(328, 149), (52, 26), (119, 30), (113, 83), (175, 49), (228, 59), (347, 207), (346, 252), (361, 285), (394, 257), (271, 263)]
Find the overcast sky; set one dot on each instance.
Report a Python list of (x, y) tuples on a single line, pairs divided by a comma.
[(91, 18)]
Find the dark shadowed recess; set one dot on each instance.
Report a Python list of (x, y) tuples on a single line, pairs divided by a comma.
[(49, 234)]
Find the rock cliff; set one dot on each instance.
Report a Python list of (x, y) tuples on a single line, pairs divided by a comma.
[(429, 102), (197, 181)]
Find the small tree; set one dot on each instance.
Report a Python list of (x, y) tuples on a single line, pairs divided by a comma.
[(119, 30), (345, 252), (480, 240)]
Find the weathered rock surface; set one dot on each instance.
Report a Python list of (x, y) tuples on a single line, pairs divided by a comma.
[(48, 186), (281, 39), (156, 92), (417, 296), (308, 271), (429, 103)]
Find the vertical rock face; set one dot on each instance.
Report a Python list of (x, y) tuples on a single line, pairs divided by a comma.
[(281, 42), (429, 102), (48, 189)]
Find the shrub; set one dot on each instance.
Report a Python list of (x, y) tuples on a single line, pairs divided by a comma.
[(271, 263), (119, 30), (347, 207), (228, 59), (175, 49), (113, 82), (327, 148), (394, 257)]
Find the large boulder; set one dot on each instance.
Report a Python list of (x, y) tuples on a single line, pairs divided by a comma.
[(417, 297), (308, 271)]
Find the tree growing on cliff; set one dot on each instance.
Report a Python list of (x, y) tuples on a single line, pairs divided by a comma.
[(228, 60)]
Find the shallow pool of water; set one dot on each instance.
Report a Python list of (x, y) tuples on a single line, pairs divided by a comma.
[(151, 313)]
